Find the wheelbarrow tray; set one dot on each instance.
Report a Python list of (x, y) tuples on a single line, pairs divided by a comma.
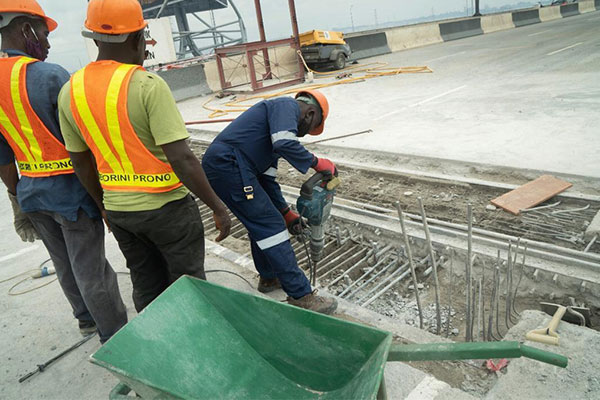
[(198, 340)]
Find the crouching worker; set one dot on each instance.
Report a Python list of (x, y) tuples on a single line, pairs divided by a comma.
[(241, 165)]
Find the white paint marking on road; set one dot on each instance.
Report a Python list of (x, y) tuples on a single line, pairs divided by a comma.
[(438, 96), (539, 33), (420, 103), (19, 253), (566, 48), (441, 58)]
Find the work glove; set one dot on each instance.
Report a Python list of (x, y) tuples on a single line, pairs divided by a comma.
[(325, 166), (294, 222), (23, 225)]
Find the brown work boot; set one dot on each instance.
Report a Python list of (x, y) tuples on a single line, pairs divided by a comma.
[(268, 285), (320, 304)]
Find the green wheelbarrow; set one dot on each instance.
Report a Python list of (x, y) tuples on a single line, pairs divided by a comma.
[(198, 340)]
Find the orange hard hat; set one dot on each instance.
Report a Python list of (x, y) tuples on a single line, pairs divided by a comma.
[(114, 17), (323, 105), (10, 9)]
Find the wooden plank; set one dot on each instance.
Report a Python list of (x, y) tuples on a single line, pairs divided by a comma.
[(531, 194)]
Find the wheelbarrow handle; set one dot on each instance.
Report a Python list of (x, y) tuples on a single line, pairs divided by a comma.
[(472, 351)]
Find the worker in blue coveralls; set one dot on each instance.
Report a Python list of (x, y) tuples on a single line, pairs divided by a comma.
[(241, 165)]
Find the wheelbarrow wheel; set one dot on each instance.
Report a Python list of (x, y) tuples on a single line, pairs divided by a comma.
[(120, 392)]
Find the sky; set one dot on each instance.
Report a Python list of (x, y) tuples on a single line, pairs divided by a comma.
[(68, 48)]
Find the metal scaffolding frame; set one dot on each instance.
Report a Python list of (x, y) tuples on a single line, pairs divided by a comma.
[(248, 56), (187, 41)]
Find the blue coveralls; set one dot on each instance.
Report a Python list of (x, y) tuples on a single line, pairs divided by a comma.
[(241, 165)]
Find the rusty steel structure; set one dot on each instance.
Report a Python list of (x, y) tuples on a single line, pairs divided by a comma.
[(255, 62)]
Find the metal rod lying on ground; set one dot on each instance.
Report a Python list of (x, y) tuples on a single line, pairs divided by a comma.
[(436, 283), (42, 367), (411, 263), (340, 137), (209, 121)]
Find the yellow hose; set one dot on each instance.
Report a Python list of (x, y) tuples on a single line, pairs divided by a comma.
[(369, 71)]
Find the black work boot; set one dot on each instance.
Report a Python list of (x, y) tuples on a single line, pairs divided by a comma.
[(87, 327), (268, 285), (320, 304)]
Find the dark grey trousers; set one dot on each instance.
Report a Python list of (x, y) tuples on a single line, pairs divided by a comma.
[(85, 275), (160, 246)]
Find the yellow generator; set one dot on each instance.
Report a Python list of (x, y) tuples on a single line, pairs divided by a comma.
[(324, 48)]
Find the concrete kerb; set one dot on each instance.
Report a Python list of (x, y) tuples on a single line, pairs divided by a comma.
[(569, 10), (408, 37), (496, 22), (526, 17), (460, 29), (550, 13)]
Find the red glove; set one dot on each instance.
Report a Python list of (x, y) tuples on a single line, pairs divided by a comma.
[(324, 165), (294, 222)]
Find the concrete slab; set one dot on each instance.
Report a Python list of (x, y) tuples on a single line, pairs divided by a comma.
[(521, 98), (528, 379)]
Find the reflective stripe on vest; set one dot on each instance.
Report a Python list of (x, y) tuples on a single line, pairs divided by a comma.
[(38, 152), (99, 95)]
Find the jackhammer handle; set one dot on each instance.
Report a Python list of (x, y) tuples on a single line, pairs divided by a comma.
[(306, 190)]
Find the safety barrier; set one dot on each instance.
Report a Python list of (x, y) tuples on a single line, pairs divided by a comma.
[(187, 82), (568, 10), (408, 37), (496, 22), (368, 45), (550, 13), (460, 29), (526, 17), (586, 6)]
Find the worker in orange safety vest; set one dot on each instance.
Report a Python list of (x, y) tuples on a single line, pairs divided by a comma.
[(48, 200), (127, 141)]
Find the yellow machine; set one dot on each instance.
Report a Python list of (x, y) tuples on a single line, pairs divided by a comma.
[(324, 48), (321, 37)]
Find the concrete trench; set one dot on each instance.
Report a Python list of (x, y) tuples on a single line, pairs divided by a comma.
[(365, 262)]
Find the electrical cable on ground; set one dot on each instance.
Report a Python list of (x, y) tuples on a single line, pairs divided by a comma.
[(31, 276), (370, 71)]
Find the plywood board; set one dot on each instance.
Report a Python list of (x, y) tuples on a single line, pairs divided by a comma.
[(531, 194)]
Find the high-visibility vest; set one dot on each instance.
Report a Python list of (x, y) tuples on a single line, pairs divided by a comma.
[(99, 105), (38, 152)]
